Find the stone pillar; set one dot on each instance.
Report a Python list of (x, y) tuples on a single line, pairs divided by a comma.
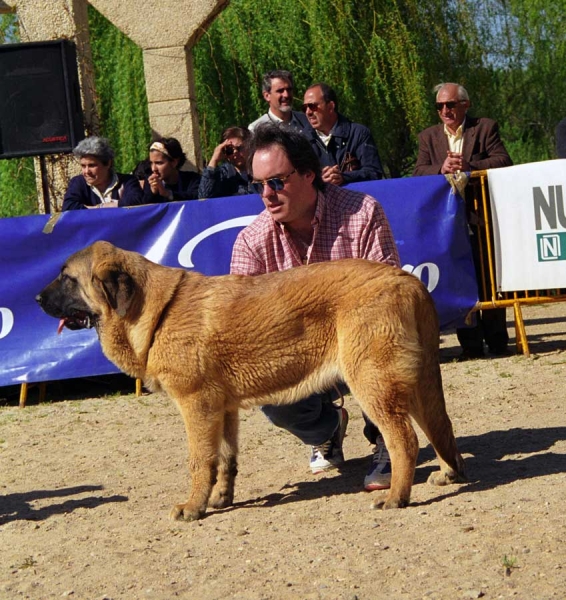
[(169, 84), (45, 20), (166, 32)]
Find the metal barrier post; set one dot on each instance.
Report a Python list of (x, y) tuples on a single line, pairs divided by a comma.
[(516, 299)]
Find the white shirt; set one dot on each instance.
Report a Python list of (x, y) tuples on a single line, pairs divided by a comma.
[(268, 117), (106, 196), (455, 140)]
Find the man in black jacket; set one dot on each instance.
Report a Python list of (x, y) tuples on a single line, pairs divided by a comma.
[(346, 150)]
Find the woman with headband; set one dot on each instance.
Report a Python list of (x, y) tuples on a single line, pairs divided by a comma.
[(99, 186), (166, 181)]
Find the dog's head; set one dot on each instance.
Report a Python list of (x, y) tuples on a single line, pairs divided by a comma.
[(92, 284)]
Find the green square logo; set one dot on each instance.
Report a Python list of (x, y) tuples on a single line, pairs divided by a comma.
[(551, 246)]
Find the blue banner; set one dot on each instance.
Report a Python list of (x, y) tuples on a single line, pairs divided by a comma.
[(427, 219)]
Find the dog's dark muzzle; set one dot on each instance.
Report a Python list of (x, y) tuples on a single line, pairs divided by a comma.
[(55, 304)]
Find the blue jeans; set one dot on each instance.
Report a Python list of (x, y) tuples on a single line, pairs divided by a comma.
[(314, 419)]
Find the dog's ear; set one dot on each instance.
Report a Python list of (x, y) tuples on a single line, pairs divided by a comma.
[(117, 287)]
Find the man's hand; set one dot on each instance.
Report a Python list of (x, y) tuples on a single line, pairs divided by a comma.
[(332, 175), (454, 163), (217, 155)]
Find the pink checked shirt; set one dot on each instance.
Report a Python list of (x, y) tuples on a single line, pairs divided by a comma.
[(346, 224)]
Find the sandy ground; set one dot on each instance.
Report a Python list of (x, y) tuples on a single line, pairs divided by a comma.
[(86, 486)]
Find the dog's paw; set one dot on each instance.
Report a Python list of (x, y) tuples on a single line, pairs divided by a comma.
[(446, 478), (221, 500), (386, 503), (184, 512)]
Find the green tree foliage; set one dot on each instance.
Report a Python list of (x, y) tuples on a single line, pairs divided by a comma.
[(18, 195), (381, 56), (120, 86), (234, 53), (525, 46), (17, 178)]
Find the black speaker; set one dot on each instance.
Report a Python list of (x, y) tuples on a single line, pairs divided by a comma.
[(40, 102)]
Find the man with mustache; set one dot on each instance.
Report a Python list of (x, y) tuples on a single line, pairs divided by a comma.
[(277, 90)]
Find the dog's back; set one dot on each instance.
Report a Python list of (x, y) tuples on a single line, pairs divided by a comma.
[(279, 337)]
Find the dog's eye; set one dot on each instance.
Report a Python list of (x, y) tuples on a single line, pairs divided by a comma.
[(64, 277)]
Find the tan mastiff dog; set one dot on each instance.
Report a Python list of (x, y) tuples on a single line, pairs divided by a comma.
[(218, 344)]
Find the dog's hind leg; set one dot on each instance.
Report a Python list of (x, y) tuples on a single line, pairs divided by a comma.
[(386, 404), (431, 416), (204, 431), (223, 491)]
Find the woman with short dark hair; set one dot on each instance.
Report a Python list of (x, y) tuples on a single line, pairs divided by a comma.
[(226, 174), (99, 186), (166, 181)]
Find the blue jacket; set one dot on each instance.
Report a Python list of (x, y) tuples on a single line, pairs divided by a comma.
[(79, 194), (186, 188), (224, 180), (349, 141)]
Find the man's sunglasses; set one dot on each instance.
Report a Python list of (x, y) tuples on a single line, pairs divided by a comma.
[(229, 150), (311, 106), (449, 105), (275, 183)]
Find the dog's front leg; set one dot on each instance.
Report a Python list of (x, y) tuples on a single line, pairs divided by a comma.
[(223, 491), (204, 431)]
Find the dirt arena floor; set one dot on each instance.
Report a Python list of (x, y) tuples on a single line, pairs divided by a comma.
[(87, 479)]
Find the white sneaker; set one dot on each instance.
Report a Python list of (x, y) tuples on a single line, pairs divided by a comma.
[(329, 455), (379, 475)]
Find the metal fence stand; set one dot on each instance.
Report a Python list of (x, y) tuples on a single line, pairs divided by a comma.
[(24, 388), (42, 387), (520, 333)]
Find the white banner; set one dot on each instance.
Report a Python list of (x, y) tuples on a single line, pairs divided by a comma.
[(529, 225)]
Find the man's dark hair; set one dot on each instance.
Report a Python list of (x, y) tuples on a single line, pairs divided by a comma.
[(328, 94), (284, 75), (296, 146)]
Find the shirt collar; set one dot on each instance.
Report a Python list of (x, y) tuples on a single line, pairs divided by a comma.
[(274, 117), (318, 212), (107, 194), (459, 132), (325, 139)]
